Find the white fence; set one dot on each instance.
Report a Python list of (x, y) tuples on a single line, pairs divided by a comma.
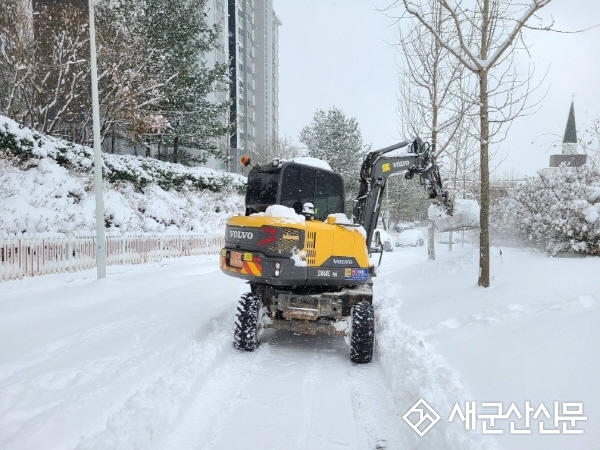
[(40, 254)]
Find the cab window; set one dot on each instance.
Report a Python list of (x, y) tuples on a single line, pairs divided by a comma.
[(329, 195), (298, 187), (301, 184), (262, 190)]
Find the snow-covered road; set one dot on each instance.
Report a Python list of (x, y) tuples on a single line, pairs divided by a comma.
[(143, 359)]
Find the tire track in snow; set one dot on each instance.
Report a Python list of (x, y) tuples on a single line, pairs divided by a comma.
[(154, 407), (373, 409), (294, 392), (213, 402)]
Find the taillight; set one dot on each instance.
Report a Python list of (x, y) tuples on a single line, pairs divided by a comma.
[(269, 235)]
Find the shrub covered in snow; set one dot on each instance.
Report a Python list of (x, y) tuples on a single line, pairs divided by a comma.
[(25, 144), (558, 212), (46, 184)]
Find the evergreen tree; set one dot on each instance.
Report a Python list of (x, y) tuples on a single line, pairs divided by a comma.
[(336, 139), (182, 34)]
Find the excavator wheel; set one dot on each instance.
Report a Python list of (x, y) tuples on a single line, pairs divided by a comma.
[(363, 333), (245, 335)]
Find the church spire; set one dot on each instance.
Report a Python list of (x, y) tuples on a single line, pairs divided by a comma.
[(570, 131)]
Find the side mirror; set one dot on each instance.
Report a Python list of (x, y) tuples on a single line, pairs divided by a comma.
[(377, 239)]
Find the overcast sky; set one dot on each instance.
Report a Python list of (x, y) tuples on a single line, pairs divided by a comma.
[(338, 53)]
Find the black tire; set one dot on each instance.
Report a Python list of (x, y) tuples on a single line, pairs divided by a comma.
[(245, 334), (363, 333)]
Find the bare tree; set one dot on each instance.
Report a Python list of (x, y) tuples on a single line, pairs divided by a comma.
[(488, 33), (130, 81), (44, 70), (43, 65), (460, 166), (435, 96), (590, 142), (58, 98), (16, 59)]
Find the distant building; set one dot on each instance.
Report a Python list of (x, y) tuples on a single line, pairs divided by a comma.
[(569, 155), (250, 43)]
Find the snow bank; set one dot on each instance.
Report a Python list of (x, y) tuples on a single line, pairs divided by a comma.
[(414, 371), (46, 185)]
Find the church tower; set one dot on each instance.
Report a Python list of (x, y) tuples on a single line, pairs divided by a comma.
[(569, 154), (569, 145)]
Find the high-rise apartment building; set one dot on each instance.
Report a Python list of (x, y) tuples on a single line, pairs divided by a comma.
[(250, 43)]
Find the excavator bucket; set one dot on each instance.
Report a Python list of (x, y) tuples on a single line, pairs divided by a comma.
[(465, 215)]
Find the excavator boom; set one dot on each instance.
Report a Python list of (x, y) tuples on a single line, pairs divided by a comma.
[(377, 167)]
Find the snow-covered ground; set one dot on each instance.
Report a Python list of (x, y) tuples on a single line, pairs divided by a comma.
[(143, 359)]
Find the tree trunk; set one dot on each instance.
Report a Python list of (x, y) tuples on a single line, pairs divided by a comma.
[(484, 191), (175, 149), (484, 235), (430, 241)]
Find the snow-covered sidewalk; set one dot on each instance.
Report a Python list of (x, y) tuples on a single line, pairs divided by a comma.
[(533, 336), (143, 359)]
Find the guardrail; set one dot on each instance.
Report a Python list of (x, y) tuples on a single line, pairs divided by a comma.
[(44, 253)]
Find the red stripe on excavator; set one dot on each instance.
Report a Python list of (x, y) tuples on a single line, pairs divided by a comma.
[(250, 268)]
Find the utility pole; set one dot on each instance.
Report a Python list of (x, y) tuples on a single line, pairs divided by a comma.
[(100, 235)]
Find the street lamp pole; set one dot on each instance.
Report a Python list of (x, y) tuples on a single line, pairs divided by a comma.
[(100, 236)]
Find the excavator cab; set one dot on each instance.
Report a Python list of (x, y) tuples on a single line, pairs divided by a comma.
[(293, 185), (290, 236)]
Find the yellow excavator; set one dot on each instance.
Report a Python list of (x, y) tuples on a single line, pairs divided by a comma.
[(307, 264)]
